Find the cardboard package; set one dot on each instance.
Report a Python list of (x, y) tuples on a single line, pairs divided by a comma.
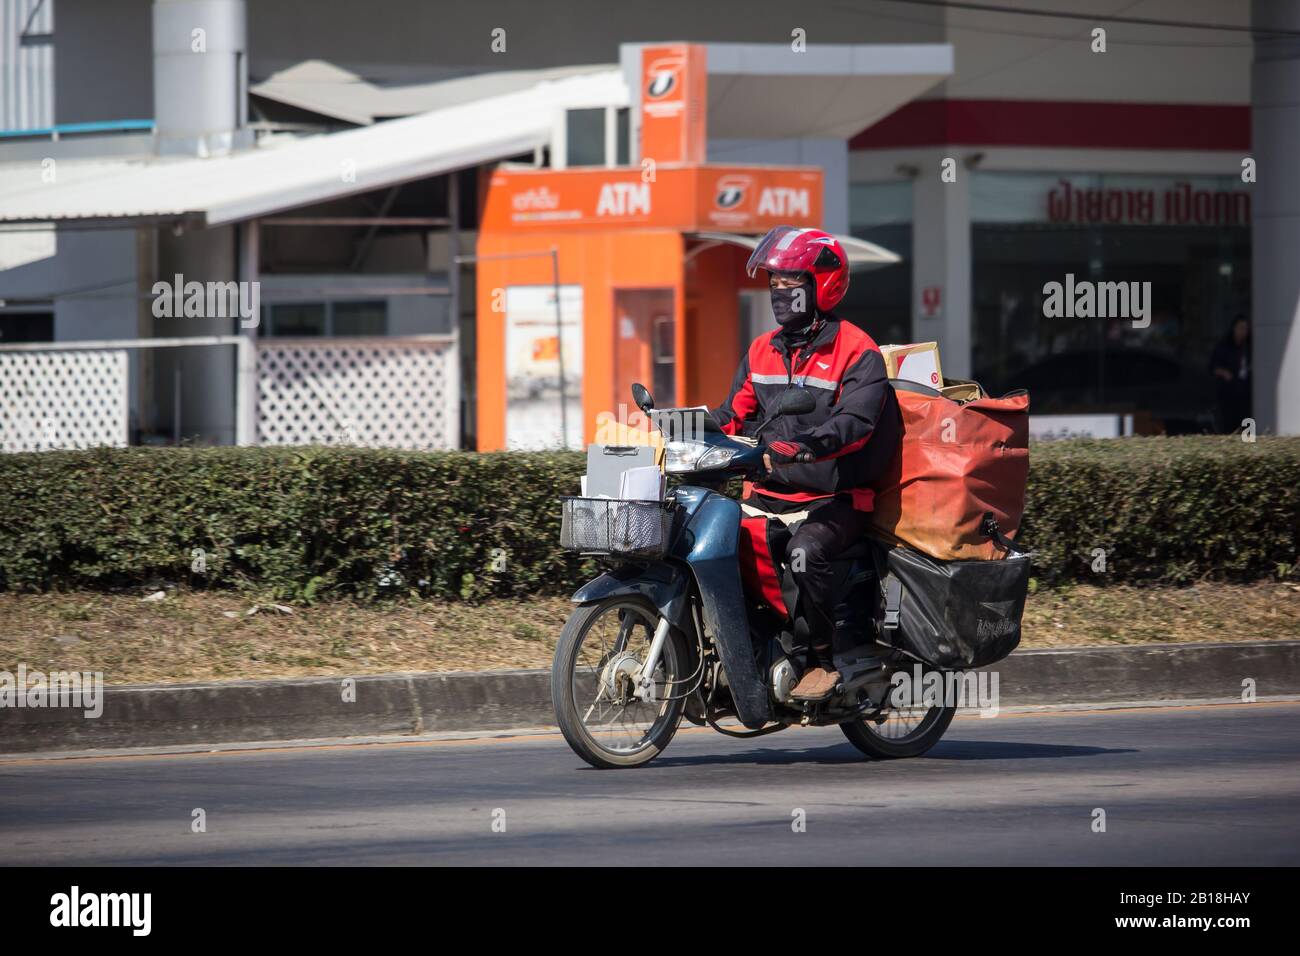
[(918, 362), (961, 390), (610, 431)]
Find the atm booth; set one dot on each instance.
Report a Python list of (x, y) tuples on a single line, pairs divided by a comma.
[(592, 279)]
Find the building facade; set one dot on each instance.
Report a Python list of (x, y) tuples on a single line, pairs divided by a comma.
[(1134, 156)]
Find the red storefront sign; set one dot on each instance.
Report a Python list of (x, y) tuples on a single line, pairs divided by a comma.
[(1179, 205)]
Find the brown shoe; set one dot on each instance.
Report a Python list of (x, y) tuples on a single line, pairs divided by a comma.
[(816, 684)]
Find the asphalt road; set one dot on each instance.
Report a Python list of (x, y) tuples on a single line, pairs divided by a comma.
[(1179, 786)]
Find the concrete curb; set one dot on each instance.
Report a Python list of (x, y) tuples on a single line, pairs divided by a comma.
[(421, 703)]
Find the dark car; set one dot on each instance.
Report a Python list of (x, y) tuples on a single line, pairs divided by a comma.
[(1175, 398)]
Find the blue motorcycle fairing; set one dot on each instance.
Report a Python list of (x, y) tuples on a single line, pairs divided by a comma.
[(663, 584), (709, 543)]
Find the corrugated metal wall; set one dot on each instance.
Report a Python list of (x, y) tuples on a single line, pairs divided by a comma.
[(26, 71)]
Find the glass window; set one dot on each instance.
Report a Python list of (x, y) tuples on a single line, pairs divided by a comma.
[(624, 138), (880, 300), (1185, 242), (645, 345), (585, 134), (665, 355), (360, 318), (296, 320), (26, 327), (316, 319)]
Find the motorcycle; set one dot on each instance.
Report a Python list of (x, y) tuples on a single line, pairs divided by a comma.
[(669, 632)]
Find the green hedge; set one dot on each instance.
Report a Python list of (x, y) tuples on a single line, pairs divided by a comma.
[(1171, 510), (304, 523), (300, 523)]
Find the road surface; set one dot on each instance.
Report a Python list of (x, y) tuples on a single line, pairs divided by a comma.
[(1208, 784)]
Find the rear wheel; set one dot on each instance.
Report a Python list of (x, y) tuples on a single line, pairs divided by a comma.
[(899, 732), (593, 684)]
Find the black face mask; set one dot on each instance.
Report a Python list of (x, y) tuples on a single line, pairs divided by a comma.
[(784, 302)]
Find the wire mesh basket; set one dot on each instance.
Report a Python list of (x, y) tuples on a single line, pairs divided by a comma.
[(616, 526)]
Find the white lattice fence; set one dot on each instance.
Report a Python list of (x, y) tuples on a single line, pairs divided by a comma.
[(63, 399), (376, 393)]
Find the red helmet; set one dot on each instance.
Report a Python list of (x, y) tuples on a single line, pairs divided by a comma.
[(808, 252)]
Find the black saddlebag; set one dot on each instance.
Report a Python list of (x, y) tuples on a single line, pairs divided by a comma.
[(954, 614)]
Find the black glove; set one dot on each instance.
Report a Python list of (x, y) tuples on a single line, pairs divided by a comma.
[(782, 452)]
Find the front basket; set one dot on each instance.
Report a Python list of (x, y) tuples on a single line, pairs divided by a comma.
[(615, 526)]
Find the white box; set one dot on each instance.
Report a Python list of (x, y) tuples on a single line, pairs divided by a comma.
[(918, 362)]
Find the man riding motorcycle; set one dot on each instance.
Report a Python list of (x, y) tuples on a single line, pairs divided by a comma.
[(825, 462)]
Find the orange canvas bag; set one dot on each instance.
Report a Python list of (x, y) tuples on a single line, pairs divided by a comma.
[(956, 462)]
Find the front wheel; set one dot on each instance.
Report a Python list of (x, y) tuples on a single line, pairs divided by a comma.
[(899, 732), (593, 686)]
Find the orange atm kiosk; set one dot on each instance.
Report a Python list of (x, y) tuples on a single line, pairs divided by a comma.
[(648, 287)]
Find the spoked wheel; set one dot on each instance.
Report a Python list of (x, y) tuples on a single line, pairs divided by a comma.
[(899, 731), (594, 686)]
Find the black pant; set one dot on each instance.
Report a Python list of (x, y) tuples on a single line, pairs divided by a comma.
[(829, 530)]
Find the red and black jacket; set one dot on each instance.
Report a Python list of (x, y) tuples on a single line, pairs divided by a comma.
[(854, 429)]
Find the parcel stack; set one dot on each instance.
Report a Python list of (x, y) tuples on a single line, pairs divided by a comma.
[(952, 504)]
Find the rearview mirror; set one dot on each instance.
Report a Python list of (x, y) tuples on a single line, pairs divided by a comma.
[(796, 401), (641, 395)]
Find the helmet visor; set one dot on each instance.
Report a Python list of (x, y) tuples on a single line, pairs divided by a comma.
[(780, 251)]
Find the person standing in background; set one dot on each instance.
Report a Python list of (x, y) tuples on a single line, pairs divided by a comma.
[(1230, 366)]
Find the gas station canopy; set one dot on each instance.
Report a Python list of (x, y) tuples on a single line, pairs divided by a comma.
[(862, 255), (831, 91)]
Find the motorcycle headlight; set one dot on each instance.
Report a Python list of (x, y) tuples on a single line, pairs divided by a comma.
[(684, 456)]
